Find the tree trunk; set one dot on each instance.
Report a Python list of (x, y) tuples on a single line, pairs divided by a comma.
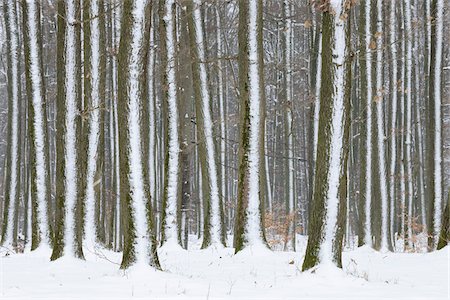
[(434, 142), (169, 218), (213, 233), (139, 242), (249, 230), (328, 208), (37, 114)]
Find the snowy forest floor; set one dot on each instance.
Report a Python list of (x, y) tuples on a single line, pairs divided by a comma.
[(219, 274)]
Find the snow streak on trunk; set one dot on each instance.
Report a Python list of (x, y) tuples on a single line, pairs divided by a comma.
[(402, 142), (152, 115), (40, 176), (94, 125), (317, 100), (14, 128), (170, 222), (118, 211), (408, 130), (70, 137), (215, 222), (368, 175), (380, 129), (393, 116)]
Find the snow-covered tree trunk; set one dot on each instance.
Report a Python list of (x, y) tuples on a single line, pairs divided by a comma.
[(329, 200), (118, 228), (419, 96), (213, 233), (93, 110), (393, 116), (67, 232), (408, 106), (434, 142), (169, 227), (249, 231), (402, 206), (288, 132), (365, 59), (39, 173), (11, 196), (380, 153), (222, 117), (139, 245), (151, 95)]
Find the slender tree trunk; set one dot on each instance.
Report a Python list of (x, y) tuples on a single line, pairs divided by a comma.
[(380, 152), (213, 233), (434, 142), (12, 188), (288, 132), (94, 89), (393, 117), (170, 226), (58, 246), (408, 120), (37, 113)]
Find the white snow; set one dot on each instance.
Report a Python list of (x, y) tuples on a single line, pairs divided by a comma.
[(218, 274), (215, 227), (70, 137), (174, 145), (337, 131), (253, 232)]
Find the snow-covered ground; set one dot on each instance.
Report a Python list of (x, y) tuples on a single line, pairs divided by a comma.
[(219, 274)]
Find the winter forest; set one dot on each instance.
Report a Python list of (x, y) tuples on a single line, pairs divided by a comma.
[(224, 149)]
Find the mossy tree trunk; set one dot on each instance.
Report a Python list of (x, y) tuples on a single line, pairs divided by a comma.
[(444, 237), (58, 245)]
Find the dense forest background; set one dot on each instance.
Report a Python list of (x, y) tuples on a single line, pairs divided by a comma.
[(291, 52)]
